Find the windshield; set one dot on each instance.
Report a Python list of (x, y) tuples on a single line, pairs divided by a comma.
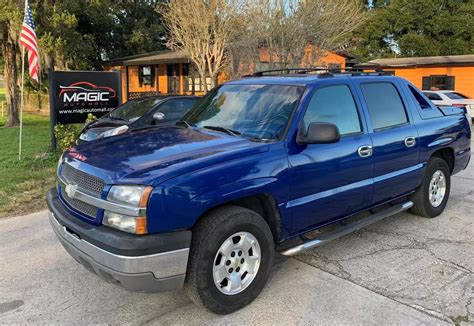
[(257, 111), (456, 96), (134, 109)]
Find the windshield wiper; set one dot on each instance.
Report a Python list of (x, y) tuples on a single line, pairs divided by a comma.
[(224, 129), (257, 139), (117, 118), (185, 123)]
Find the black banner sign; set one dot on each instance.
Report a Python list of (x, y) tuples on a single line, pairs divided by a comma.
[(75, 94)]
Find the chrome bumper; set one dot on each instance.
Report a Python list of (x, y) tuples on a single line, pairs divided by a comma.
[(151, 273)]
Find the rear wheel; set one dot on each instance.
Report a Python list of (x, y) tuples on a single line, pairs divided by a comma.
[(431, 198), (230, 259)]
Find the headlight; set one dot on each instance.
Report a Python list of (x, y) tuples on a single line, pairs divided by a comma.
[(136, 196), (128, 195), (83, 136), (114, 132)]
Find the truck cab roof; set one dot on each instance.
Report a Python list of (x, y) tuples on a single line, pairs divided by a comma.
[(303, 77)]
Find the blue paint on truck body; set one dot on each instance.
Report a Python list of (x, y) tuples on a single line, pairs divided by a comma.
[(193, 170)]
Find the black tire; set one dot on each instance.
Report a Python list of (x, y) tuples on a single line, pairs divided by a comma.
[(421, 202), (208, 235)]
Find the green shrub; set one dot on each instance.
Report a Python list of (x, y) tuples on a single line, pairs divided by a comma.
[(90, 118), (66, 135)]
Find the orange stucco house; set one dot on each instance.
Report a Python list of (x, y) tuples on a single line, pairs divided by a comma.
[(171, 72), (454, 72)]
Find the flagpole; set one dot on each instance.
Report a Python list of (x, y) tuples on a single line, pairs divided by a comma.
[(22, 103)]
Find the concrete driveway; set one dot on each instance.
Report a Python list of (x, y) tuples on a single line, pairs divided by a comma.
[(405, 270)]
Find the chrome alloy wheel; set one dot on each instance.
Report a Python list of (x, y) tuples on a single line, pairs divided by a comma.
[(437, 189), (236, 263)]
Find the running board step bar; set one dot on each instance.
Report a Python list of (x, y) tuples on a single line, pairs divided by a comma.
[(346, 229)]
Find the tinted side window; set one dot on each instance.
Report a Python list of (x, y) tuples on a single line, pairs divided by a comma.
[(433, 96), (456, 96), (334, 104), (180, 108), (419, 98), (183, 106), (176, 109), (167, 108), (384, 104)]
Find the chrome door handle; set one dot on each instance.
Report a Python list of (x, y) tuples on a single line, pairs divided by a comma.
[(410, 141), (365, 151)]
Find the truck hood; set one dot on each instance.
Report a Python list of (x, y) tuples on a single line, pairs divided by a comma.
[(152, 156)]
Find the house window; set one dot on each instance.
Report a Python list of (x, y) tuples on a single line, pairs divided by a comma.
[(196, 83), (146, 75), (192, 82), (438, 82)]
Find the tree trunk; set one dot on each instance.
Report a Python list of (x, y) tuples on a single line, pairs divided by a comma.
[(213, 81), (9, 52), (202, 77)]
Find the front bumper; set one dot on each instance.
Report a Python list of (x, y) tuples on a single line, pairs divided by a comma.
[(150, 272)]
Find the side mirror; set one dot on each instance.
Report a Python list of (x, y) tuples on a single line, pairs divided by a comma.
[(319, 133), (158, 116)]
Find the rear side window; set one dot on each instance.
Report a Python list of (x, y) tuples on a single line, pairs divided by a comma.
[(433, 96), (456, 96), (419, 98), (334, 104), (384, 104)]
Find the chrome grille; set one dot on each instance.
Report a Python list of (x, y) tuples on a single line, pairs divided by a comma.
[(86, 209), (84, 181)]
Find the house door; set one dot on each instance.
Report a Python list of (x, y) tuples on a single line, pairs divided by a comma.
[(173, 79)]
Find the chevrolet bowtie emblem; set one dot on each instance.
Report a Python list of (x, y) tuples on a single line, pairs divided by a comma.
[(70, 190)]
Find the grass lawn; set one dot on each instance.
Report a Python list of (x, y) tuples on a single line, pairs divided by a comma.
[(25, 183)]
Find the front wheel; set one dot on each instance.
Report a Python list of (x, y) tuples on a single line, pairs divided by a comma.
[(432, 196), (230, 259)]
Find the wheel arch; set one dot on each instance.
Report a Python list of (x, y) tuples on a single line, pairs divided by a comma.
[(262, 203), (446, 154)]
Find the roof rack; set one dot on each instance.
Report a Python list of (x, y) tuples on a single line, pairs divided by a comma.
[(361, 71), (322, 72), (287, 71)]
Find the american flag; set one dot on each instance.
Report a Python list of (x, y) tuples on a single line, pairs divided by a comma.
[(29, 41)]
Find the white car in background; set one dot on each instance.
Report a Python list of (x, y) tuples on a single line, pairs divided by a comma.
[(451, 98)]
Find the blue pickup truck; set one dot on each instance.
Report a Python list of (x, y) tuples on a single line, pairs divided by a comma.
[(250, 171)]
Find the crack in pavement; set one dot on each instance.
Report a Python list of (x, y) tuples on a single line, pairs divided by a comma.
[(459, 177), (342, 272), (323, 262), (469, 300), (424, 245), (411, 238), (149, 321), (430, 312)]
